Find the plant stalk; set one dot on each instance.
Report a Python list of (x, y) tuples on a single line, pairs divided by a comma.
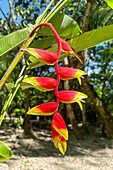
[(11, 95), (59, 7), (53, 10)]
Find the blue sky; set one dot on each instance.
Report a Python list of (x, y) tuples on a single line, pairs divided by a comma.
[(4, 6)]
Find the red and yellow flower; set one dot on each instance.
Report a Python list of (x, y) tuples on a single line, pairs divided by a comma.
[(44, 109), (66, 96), (67, 48), (59, 141), (59, 133), (67, 73), (59, 129), (44, 56), (41, 83)]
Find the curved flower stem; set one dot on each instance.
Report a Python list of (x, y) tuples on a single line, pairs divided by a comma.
[(58, 53), (47, 25), (58, 81)]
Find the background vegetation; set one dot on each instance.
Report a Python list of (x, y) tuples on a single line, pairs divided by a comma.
[(98, 64)]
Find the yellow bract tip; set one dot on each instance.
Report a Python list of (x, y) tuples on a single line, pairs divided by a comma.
[(75, 55)]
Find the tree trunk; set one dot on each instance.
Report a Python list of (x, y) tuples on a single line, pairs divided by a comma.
[(106, 117), (69, 110), (27, 125), (87, 88), (83, 56)]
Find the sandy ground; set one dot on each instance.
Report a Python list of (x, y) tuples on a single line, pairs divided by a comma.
[(93, 153)]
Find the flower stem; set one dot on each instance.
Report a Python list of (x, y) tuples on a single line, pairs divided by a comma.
[(52, 11), (44, 13)]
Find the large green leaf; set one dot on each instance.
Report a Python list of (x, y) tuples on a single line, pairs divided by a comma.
[(64, 25), (43, 43), (92, 38), (110, 3), (12, 40), (5, 152)]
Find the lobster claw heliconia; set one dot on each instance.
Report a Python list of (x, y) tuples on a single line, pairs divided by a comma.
[(43, 56), (41, 83), (59, 133), (67, 73), (59, 129), (59, 141), (44, 109), (59, 125), (67, 48), (66, 96)]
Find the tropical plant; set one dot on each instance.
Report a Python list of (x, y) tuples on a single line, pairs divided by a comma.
[(66, 28)]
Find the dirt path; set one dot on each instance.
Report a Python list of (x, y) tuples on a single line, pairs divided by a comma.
[(93, 153)]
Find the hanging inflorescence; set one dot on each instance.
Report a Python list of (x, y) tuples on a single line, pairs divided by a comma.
[(59, 129)]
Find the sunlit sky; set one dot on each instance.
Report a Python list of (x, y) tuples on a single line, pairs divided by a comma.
[(4, 6)]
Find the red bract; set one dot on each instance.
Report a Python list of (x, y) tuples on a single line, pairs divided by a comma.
[(67, 48), (59, 125), (46, 57), (66, 96), (41, 83), (44, 109), (59, 141), (67, 73)]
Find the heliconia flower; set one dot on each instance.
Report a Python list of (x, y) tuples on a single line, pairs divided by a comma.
[(44, 56), (67, 73), (66, 96), (59, 125), (44, 109), (41, 83), (67, 48), (59, 141)]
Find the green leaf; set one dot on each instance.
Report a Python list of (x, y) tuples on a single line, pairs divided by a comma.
[(64, 25), (43, 43), (92, 38), (110, 3), (8, 86), (12, 40), (5, 152), (25, 86)]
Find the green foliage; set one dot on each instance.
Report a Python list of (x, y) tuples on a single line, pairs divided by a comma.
[(63, 24), (101, 78), (92, 38), (5, 152), (12, 40), (110, 3)]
